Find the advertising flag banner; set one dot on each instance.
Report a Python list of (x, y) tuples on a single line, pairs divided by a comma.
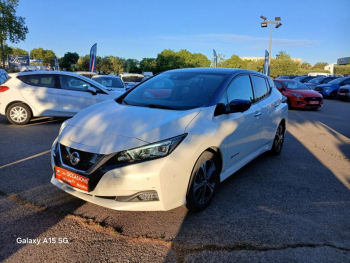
[(56, 63), (266, 64), (215, 59), (17, 60), (93, 52)]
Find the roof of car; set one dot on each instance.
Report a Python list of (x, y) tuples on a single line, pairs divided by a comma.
[(227, 71), (104, 76), (46, 72)]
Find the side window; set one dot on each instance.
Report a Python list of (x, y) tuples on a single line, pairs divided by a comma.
[(240, 88), (260, 88), (278, 85), (71, 83), (346, 82), (2, 78), (47, 81), (270, 83)]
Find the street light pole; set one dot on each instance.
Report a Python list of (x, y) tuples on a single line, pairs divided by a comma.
[(264, 24), (270, 45)]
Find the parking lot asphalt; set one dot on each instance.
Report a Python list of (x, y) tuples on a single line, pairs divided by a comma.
[(291, 208)]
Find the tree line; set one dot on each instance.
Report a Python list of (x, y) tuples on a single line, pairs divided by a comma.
[(169, 59)]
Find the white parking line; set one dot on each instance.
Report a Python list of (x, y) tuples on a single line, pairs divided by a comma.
[(25, 159)]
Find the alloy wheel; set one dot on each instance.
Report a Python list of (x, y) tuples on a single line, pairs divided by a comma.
[(204, 182), (279, 138), (18, 114)]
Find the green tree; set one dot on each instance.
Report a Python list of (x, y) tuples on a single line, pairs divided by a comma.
[(110, 64), (148, 64), (234, 62), (320, 65), (342, 69), (82, 64), (132, 66), (46, 55), (69, 59), (305, 65), (12, 27)]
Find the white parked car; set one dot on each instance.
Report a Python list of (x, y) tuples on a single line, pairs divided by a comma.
[(25, 95), (110, 82), (130, 80), (171, 140)]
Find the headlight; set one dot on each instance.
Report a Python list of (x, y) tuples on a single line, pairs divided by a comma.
[(148, 152), (297, 95), (64, 124)]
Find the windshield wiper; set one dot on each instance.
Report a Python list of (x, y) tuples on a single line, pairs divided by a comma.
[(158, 106)]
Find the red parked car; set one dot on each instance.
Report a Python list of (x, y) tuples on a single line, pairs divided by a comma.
[(298, 94)]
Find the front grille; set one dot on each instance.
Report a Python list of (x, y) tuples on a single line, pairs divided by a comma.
[(343, 91), (87, 160), (312, 99)]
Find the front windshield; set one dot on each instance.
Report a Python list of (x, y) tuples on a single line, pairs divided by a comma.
[(132, 79), (294, 85), (175, 90), (316, 80), (109, 82), (337, 81)]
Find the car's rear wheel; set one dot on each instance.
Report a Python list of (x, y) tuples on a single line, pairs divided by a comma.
[(19, 114), (278, 140), (334, 95), (204, 182)]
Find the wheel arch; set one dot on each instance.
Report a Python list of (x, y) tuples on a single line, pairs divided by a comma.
[(214, 150), (19, 101)]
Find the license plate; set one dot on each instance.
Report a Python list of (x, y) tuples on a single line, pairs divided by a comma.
[(72, 179), (313, 102), (342, 94)]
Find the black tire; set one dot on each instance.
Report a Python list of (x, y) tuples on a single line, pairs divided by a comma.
[(278, 140), (202, 188), (334, 95), (19, 114)]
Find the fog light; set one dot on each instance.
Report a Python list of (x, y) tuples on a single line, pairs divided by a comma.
[(149, 196)]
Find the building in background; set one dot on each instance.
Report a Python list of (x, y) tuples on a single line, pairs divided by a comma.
[(340, 62)]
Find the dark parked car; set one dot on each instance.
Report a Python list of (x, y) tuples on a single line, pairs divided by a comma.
[(286, 77), (330, 89), (344, 93), (304, 79), (319, 80)]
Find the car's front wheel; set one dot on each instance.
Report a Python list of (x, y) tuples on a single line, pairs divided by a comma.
[(278, 140), (204, 182), (19, 114)]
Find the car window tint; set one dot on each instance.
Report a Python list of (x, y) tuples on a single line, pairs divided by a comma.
[(278, 85), (47, 81), (71, 83), (271, 83), (2, 78), (346, 82), (260, 89), (240, 88)]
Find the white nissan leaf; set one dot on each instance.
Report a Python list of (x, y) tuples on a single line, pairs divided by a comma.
[(171, 140)]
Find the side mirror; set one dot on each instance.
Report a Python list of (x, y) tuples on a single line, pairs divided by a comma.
[(92, 90), (238, 106)]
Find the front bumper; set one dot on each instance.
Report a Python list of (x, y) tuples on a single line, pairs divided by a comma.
[(164, 175), (304, 103)]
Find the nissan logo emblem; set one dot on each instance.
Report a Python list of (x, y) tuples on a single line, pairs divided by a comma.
[(74, 158)]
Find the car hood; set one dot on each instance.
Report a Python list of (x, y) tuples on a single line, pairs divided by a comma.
[(110, 127), (307, 93)]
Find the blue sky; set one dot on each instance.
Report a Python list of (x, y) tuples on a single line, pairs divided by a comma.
[(312, 30)]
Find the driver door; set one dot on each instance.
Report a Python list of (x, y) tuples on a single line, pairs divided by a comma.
[(74, 95)]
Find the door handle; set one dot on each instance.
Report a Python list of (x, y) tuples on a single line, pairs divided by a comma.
[(257, 114), (66, 94)]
